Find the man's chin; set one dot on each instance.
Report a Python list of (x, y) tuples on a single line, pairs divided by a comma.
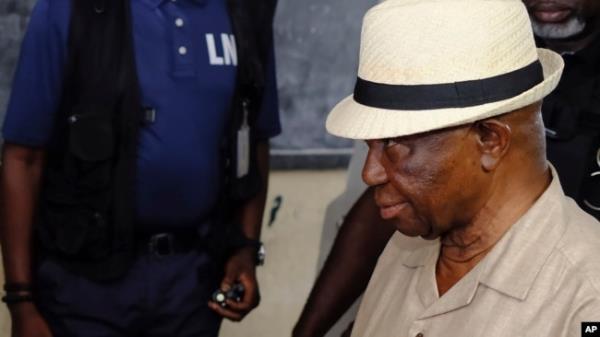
[(570, 29), (417, 231)]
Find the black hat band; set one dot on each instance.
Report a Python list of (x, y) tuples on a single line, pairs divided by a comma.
[(448, 95)]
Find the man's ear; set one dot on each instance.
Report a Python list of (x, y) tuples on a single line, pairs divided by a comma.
[(493, 138)]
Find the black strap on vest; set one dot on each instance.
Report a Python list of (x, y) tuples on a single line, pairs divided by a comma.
[(87, 198)]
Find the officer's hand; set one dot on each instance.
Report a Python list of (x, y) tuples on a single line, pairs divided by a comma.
[(239, 268), (27, 321)]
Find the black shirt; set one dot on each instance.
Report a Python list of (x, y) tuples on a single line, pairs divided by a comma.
[(572, 118)]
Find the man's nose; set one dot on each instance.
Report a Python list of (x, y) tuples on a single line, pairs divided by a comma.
[(373, 172)]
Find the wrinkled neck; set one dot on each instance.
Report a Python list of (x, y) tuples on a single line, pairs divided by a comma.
[(463, 247)]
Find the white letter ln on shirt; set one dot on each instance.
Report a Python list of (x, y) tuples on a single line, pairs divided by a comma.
[(229, 51)]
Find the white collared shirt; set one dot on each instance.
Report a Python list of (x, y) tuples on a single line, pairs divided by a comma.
[(542, 279)]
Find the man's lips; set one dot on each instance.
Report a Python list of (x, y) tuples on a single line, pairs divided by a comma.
[(391, 211), (551, 16), (547, 12)]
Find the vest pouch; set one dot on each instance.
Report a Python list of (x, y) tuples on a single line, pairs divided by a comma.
[(91, 134), (75, 231), (78, 189), (91, 146)]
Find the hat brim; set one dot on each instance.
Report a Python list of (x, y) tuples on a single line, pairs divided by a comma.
[(350, 119)]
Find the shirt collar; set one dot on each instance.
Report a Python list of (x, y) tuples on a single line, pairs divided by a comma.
[(155, 3), (419, 256), (513, 264)]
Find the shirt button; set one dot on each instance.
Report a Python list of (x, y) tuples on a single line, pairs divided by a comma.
[(179, 22), (182, 50)]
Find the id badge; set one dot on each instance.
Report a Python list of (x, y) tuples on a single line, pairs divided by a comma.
[(243, 151)]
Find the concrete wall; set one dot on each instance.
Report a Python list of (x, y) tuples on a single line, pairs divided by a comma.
[(293, 246), (14, 16)]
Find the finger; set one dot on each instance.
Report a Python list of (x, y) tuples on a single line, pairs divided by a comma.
[(251, 296), (225, 312), (240, 307), (228, 281), (252, 293)]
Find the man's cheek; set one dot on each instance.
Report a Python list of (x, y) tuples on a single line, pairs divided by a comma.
[(409, 222)]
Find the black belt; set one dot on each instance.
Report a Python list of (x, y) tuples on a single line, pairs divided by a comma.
[(168, 243)]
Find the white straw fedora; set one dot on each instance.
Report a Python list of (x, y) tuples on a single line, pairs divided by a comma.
[(431, 64)]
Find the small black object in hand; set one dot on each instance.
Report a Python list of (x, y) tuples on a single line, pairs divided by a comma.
[(236, 292)]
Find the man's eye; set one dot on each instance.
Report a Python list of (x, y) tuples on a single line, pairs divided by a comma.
[(388, 142)]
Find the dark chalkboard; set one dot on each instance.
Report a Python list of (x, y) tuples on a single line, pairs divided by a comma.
[(317, 51)]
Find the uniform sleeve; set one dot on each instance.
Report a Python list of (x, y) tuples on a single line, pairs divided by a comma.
[(37, 82), (268, 124)]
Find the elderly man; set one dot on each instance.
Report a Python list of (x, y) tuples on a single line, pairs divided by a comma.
[(448, 98), (571, 27)]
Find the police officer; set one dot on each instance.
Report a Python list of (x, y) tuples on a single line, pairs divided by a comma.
[(572, 118), (75, 264)]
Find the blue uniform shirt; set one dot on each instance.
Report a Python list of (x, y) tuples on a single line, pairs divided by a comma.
[(186, 62)]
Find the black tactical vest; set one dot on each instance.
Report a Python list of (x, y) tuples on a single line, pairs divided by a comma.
[(87, 200)]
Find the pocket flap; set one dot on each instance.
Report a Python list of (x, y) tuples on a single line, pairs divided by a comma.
[(91, 134)]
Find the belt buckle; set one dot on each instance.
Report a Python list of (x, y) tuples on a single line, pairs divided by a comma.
[(161, 245)]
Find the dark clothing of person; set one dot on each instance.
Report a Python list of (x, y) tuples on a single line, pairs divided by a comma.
[(160, 296), (572, 119)]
